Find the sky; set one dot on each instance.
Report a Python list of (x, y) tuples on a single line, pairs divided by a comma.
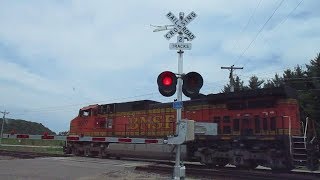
[(58, 56)]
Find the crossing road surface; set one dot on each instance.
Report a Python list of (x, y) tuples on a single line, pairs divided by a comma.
[(79, 168)]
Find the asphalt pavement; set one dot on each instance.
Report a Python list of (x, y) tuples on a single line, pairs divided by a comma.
[(65, 168)]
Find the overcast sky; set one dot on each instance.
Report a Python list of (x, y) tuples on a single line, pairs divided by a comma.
[(58, 56)]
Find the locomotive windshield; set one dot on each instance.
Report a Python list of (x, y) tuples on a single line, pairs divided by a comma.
[(85, 113)]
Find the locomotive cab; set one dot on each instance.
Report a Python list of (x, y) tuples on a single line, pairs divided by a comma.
[(88, 111)]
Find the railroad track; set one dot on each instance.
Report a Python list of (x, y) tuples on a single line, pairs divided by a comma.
[(28, 155), (196, 170), (232, 173)]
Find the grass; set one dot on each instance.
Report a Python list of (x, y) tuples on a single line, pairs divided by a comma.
[(50, 150), (33, 142), (55, 149)]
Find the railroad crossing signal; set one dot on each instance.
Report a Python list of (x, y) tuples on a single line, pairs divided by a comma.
[(167, 80)]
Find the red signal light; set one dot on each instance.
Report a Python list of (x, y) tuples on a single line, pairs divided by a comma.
[(167, 82)]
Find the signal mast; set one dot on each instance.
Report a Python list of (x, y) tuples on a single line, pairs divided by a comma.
[(169, 82)]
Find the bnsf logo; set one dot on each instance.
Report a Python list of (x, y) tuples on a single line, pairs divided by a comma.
[(152, 122)]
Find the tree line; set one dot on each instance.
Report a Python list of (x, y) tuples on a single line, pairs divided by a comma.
[(18, 126), (304, 78)]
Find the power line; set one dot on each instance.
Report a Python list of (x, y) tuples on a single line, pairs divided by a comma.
[(278, 71), (267, 72), (306, 78), (246, 77), (243, 77), (207, 86), (288, 15), (59, 108), (260, 30), (63, 108), (245, 27), (283, 21)]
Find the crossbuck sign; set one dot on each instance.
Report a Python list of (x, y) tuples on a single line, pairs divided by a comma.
[(180, 25)]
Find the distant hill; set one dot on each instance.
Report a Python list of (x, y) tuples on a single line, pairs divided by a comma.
[(24, 127)]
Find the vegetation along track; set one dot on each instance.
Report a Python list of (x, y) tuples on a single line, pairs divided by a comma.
[(233, 173), (28, 155)]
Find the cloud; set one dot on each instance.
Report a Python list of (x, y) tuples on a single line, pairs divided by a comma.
[(14, 73)]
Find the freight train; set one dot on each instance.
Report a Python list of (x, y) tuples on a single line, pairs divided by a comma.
[(254, 127)]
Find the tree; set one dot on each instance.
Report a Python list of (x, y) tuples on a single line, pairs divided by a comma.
[(311, 99), (295, 78), (313, 72), (277, 81), (24, 127), (238, 86), (255, 83), (268, 84), (307, 84), (226, 88)]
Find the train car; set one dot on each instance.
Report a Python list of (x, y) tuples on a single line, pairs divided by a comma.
[(255, 127)]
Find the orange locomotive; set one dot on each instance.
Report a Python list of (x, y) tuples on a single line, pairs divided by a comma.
[(124, 119), (255, 127)]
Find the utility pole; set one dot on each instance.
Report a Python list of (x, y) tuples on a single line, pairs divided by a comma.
[(231, 68), (3, 120)]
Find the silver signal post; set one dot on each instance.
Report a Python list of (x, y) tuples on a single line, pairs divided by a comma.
[(179, 27)]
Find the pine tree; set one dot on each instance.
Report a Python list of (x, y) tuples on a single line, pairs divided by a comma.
[(295, 78), (312, 93), (238, 86), (307, 84), (255, 83), (226, 88), (313, 72), (277, 81)]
